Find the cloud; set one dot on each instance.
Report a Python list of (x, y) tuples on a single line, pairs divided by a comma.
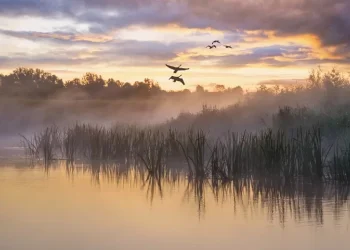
[(283, 82), (110, 33), (93, 49), (266, 56), (59, 36), (327, 19)]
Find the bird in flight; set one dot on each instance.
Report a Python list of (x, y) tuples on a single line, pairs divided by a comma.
[(228, 46), (177, 79), (176, 69), (216, 41), (210, 47)]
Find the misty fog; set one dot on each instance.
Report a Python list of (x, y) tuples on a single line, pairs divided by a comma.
[(217, 111)]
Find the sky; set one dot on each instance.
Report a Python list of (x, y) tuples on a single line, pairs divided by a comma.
[(129, 40)]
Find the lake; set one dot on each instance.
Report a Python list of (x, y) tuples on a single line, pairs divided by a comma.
[(108, 207)]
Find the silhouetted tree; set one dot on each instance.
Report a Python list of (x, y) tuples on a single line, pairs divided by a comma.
[(200, 89), (92, 83), (219, 88), (30, 82), (38, 83), (236, 90), (75, 83), (1, 79), (111, 83)]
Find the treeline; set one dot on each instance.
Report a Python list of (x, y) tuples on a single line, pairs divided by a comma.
[(36, 83)]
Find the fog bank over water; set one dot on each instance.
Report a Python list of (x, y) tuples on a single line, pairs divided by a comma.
[(26, 108)]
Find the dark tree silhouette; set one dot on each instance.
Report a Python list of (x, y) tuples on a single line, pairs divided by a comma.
[(75, 83), (36, 83), (30, 82), (200, 89), (93, 83), (220, 87)]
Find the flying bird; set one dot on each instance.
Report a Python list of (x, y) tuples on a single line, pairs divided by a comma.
[(228, 46), (216, 41), (211, 46), (177, 79), (176, 69)]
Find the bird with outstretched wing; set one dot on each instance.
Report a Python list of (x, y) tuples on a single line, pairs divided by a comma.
[(176, 69), (177, 79)]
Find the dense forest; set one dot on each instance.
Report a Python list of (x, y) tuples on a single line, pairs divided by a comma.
[(36, 83)]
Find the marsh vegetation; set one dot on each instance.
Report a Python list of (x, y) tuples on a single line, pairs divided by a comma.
[(292, 142)]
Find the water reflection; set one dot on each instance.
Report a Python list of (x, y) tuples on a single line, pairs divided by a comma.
[(300, 200), (115, 206)]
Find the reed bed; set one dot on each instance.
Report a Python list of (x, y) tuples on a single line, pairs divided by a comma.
[(278, 153)]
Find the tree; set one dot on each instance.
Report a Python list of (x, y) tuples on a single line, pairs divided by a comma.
[(219, 88), (24, 81), (200, 89), (1, 77), (75, 83), (111, 83), (236, 90), (92, 83)]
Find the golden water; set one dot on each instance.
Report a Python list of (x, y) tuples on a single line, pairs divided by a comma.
[(82, 208)]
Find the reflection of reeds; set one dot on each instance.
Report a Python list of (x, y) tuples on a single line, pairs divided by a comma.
[(278, 199), (195, 188)]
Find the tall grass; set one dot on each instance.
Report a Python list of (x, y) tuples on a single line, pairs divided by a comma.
[(300, 152), (47, 144)]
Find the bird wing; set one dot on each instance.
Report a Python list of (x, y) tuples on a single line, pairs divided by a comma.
[(182, 80), (171, 67), (183, 68)]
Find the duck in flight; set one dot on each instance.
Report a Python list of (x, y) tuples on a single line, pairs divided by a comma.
[(228, 46), (210, 47), (177, 79), (216, 41), (176, 69)]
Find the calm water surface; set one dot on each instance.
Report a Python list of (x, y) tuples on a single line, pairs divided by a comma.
[(106, 208)]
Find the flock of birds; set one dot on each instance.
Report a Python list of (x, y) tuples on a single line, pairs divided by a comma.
[(214, 46), (176, 69)]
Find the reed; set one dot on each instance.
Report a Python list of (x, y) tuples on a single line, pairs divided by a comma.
[(194, 149), (287, 154), (44, 145), (152, 151)]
